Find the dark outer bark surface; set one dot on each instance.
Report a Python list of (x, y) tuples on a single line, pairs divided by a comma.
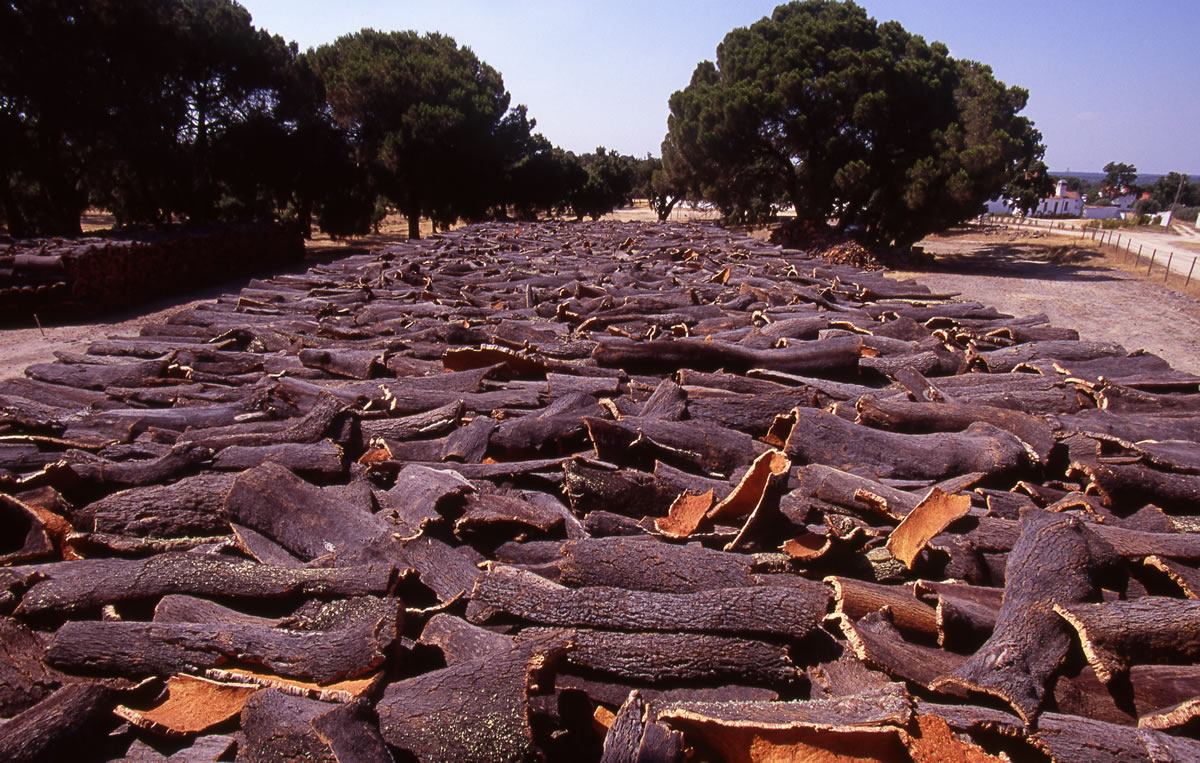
[(777, 610), (1056, 561), (74, 587)]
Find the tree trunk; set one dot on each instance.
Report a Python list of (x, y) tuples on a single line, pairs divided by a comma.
[(414, 223)]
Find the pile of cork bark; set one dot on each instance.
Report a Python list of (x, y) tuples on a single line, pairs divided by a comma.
[(92, 274), (611, 491)]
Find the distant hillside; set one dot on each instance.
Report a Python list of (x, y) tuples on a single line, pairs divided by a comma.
[(1095, 177)]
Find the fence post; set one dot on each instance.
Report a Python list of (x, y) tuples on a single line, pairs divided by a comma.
[(1151, 266), (1189, 278), (1168, 273), (1139, 257)]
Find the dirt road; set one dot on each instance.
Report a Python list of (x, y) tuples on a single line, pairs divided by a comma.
[(1019, 277)]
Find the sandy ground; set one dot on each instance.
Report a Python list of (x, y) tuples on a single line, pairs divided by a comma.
[(1073, 285), (1016, 275)]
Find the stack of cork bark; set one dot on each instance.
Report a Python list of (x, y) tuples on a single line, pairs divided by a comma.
[(93, 274), (612, 491)]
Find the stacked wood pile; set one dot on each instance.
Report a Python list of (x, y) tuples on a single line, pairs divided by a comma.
[(612, 491), (94, 273)]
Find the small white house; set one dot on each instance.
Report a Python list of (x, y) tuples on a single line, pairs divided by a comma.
[(1062, 203)]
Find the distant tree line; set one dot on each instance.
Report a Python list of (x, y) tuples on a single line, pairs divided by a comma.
[(1173, 189), (820, 108), (181, 110)]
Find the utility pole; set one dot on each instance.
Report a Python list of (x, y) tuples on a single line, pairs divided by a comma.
[(1182, 179)]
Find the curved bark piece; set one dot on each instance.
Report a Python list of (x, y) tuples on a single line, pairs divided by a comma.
[(823, 438), (966, 614), (146, 649), (436, 421), (487, 511), (1173, 717), (68, 725), (309, 428), (24, 678), (590, 487), (277, 728), (855, 599), (686, 515), (642, 564), (1151, 629), (929, 518), (1008, 358), (187, 508), (304, 519), (764, 610), (1071, 739), (192, 705), (336, 691), (876, 641), (414, 500), (1136, 486), (461, 641), (838, 355), (701, 447), (1187, 578), (322, 460), (1057, 560), (472, 711), (900, 415), (72, 588), (1150, 688), (856, 727), (865, 497), (677, 657), (632, 740)]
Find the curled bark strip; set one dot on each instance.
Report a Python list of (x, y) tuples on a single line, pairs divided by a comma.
[(930, 517), (1187, 578), (778, 610), (860, 726), (752, 488), (192, 705), (472, 711), (1151, 629), (1056, 561)]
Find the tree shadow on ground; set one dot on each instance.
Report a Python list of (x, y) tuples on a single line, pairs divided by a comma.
[(1053, 262)]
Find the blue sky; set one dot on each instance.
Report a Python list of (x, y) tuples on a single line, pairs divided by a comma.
[(1109, 80)]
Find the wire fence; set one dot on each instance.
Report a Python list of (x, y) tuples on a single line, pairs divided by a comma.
[(1120, 242)]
